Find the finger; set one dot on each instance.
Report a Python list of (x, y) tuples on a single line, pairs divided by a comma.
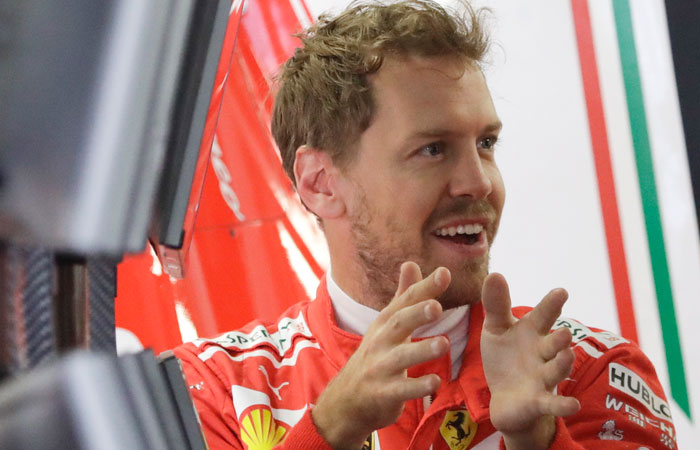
[(557, 405), (412, 388), (411, 354), (554, 342), (496, 299), (547, 311), (432, 286), (402, 323), (556, 370), (409, 274)]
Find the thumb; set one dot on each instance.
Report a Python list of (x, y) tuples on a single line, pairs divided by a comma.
[(496, 299)]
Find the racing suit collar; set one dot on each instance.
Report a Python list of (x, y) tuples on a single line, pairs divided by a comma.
[(470, 386), (355, 318)]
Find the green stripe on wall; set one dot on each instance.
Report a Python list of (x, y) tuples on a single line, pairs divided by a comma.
[(650, 204)]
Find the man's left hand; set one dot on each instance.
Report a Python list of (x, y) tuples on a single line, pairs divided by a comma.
[(523, 363)]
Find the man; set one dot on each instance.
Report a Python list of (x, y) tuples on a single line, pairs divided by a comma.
[(387, 128)]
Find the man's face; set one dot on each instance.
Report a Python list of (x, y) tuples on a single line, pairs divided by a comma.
[(424, 182)]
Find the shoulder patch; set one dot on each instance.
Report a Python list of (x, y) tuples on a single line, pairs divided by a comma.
[(580, 333), (281, 340), (628, 382)]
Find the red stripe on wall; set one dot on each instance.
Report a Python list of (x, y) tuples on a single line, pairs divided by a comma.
[(307, 10), (603, 167)]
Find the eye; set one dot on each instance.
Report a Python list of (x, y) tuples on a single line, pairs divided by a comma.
[(433, 149), (488, 143)]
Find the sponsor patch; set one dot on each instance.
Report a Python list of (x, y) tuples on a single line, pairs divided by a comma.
[(371, 443), (579, 332), (259, 431), (610, 432), (627, 381), (245, 398), (667, 441), (275, 390), (281, 339), (458, 429), (637, 417)]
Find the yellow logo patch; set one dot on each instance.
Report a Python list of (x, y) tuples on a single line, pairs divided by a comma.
[(260, 431), (458, 429), (369, 443)]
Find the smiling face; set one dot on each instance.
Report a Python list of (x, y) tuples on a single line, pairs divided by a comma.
[(424, 185)]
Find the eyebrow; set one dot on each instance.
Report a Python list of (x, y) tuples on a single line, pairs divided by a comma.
[(438, 132), (492, 127)]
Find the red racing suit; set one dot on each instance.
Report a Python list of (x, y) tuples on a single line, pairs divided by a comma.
[(255, 388)]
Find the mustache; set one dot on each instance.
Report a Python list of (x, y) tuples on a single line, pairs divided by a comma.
[(463, 207)]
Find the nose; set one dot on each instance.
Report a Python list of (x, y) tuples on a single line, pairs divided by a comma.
[(470, 177)]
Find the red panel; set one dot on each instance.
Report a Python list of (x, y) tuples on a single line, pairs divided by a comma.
[(249, 157), (277, 43), (246, 259), (144, 302), (232, 266)]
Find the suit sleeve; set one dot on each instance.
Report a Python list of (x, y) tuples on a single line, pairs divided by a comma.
[(211, 395), (208, 391), (622, 403)]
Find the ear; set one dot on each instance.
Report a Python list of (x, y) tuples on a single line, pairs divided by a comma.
[(315, 175)]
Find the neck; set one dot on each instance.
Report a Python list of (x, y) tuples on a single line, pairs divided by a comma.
[(355, 284), (351, 276)]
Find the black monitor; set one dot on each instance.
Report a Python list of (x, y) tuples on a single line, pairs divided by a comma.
[(79, 403), (96, 98), (87, 401)]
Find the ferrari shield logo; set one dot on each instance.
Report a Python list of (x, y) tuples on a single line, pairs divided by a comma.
[(458, 429)]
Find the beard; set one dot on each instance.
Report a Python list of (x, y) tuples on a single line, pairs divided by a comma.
[(382, 253)]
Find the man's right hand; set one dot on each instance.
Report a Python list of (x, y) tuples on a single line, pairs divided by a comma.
[(370, 391)]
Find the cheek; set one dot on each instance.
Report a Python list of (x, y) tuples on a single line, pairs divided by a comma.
[(407, 209), (422, 199)]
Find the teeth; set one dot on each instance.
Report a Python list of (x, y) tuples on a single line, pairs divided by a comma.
[(461, 229), (473, 229)]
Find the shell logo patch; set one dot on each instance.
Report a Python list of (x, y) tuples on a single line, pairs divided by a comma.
[(371, 442), (458, 429), (260, 431)]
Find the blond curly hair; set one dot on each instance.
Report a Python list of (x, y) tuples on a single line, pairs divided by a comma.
[(324, 99)]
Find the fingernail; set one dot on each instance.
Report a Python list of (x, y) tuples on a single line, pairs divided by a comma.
[(429, 314), (438, 277), (435, 346)]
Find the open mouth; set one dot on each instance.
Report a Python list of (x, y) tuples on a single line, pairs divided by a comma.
[(462, 234)]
